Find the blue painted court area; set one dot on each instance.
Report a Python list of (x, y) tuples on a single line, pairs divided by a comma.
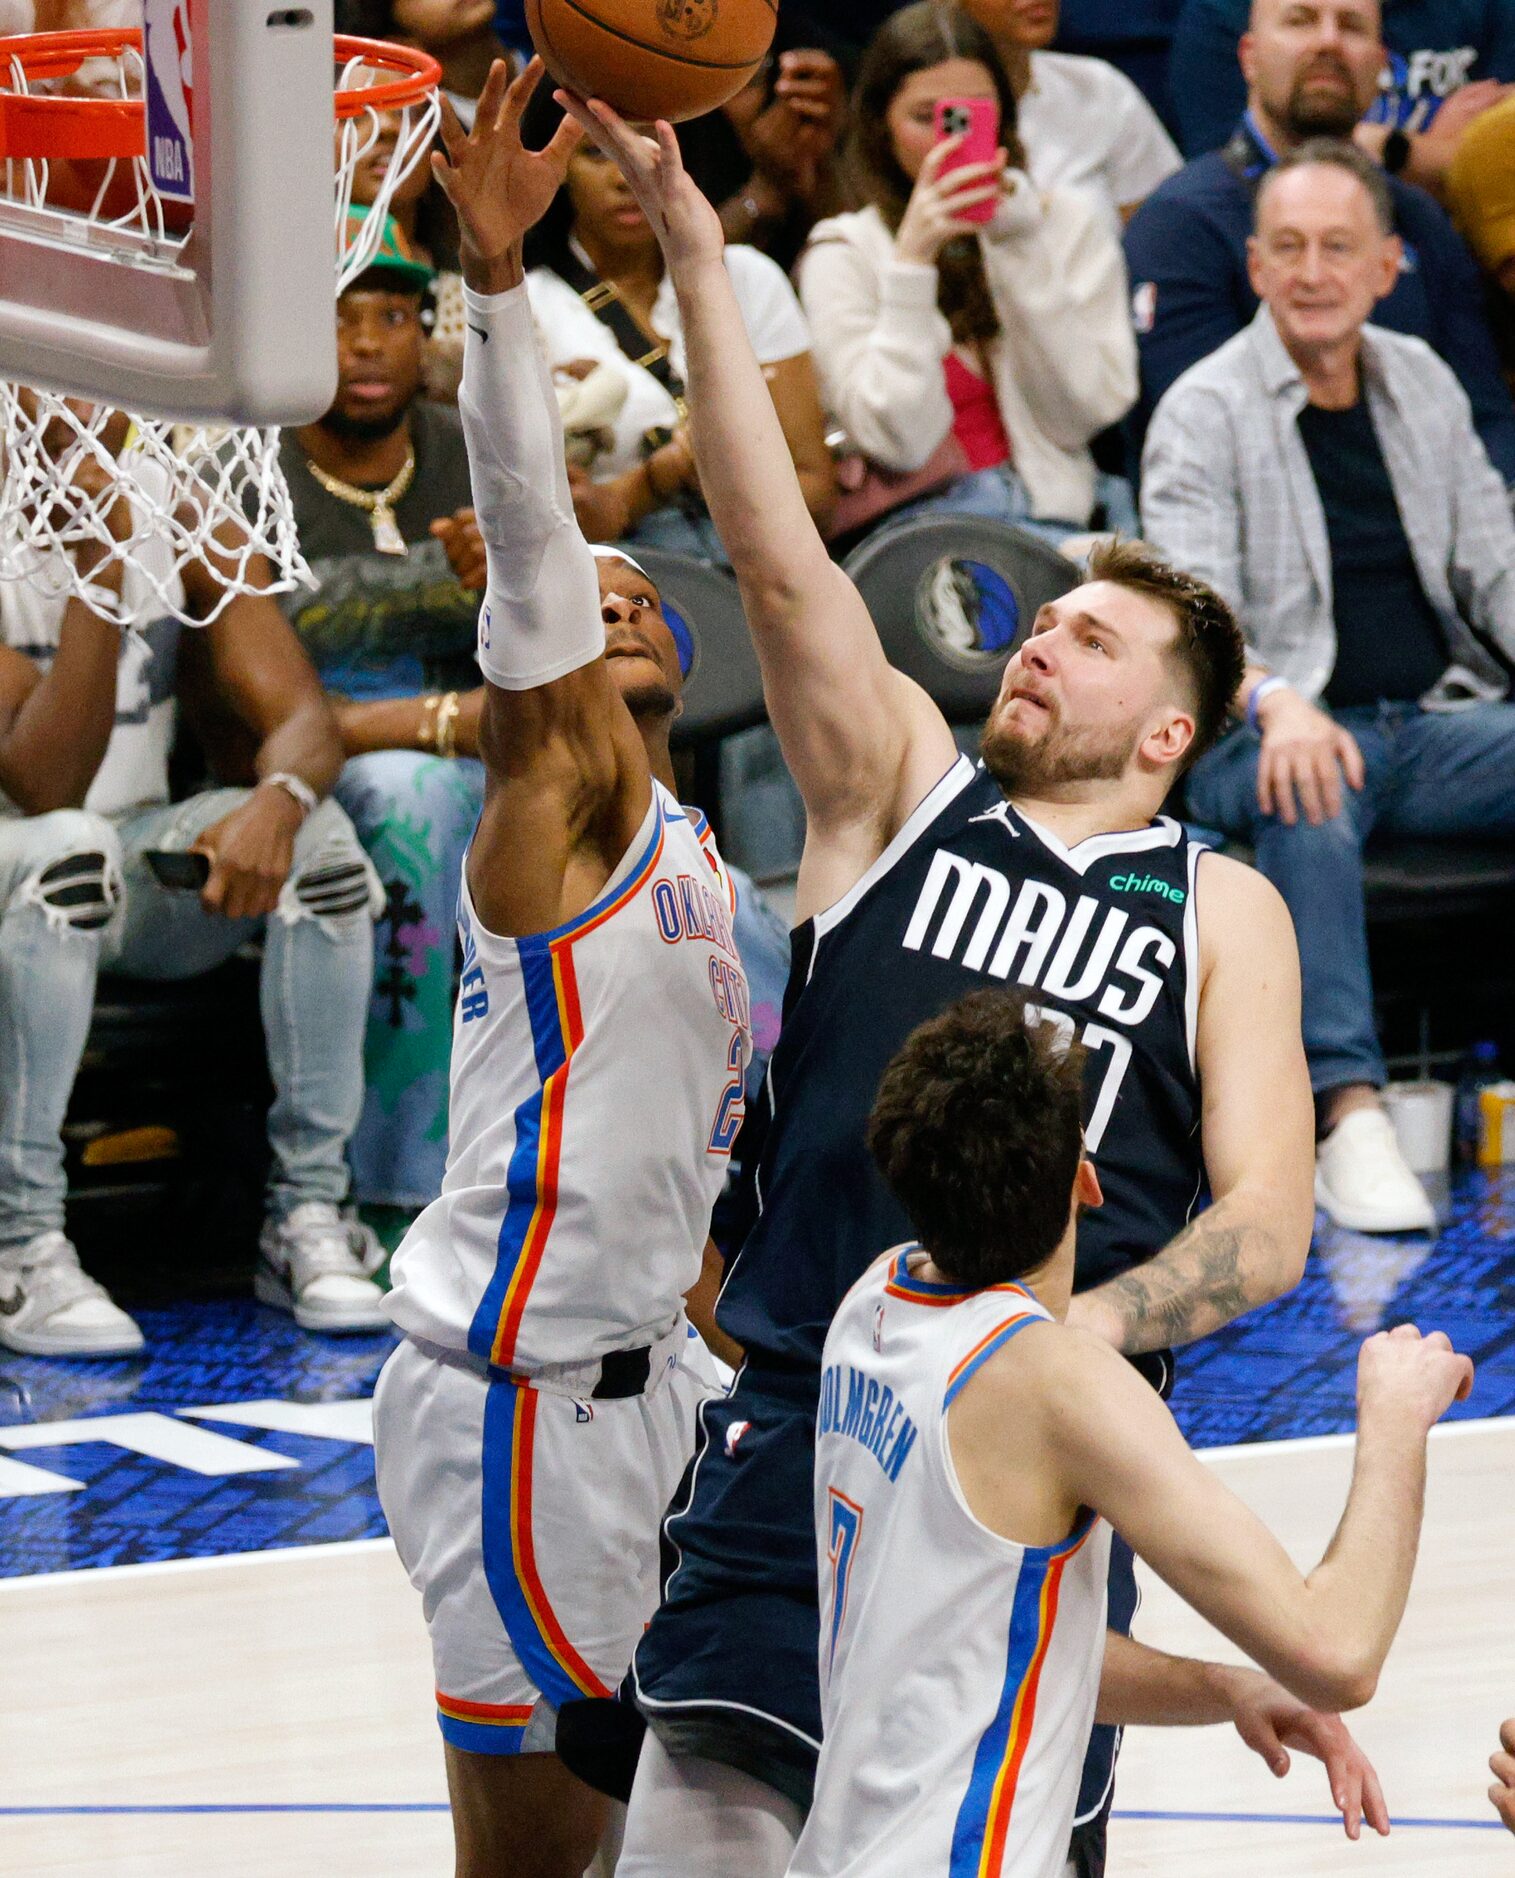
[(236, 1432)]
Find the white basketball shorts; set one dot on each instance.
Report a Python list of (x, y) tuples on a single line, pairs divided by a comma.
[(528, 1519)]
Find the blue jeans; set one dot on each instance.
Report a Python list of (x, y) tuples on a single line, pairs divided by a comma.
[(415, 815), (313, 984), (60, 883), (1000, 496), (1428, 773)]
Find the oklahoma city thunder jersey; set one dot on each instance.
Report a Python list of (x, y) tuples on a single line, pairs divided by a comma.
[(596, 1091), (958, 1670), (1102, 936)]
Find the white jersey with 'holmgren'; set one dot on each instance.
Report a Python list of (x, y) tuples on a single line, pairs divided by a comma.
[(596, 1092), (958, 1670)]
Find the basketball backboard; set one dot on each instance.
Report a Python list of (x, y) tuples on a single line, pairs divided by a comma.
[(231, 319)]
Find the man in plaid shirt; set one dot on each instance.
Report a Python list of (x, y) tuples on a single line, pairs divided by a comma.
[(1325, 476)]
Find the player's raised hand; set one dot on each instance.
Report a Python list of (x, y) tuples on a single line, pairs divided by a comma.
[(684, 220), (499, 188), (1271, 1722), (1400, 1372)]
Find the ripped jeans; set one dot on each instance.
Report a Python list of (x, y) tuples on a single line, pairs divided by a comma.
[(313, 987), (60, 883), (317, 964)]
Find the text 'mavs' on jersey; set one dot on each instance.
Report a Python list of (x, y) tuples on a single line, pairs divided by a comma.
[(596, 1093), (1103, 937), (959, 1670)]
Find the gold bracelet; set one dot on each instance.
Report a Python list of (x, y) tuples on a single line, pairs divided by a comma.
[(426, 736), (447, 725)]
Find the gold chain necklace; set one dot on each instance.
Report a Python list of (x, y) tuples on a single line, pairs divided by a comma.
[(380, 503)]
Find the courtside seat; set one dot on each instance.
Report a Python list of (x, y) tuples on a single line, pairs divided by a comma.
[(165, 1134), (952, 597)]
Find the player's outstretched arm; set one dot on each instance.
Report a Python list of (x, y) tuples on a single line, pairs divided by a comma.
[(1249, 1246), (1324, 1635), (864, 743), (1143, 1687), (566, 770)]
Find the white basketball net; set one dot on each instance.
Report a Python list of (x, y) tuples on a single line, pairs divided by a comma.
[(212, 493)]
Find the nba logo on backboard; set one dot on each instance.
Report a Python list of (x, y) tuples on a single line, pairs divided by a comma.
[(170, 77)]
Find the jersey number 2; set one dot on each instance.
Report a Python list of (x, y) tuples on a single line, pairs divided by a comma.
[(733, 1103), (846, 1525)]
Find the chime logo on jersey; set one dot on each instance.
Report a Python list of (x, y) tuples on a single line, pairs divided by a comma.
[(1071, 951)]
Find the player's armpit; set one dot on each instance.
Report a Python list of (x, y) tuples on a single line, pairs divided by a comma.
[(1117, 1447), (1250, 1245)]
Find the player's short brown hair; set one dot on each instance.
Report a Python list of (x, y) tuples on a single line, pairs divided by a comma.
[(1209, 652), (977, 1129)]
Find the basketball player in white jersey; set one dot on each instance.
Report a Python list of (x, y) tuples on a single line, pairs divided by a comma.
[(532, 1425), (971, 1448)]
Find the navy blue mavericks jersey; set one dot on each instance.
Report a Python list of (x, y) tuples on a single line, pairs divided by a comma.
[(970, 893)]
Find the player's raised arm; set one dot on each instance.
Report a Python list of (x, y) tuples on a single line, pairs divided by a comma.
[(1324, 1635), (864, 742), (1249, 1246), (567, 771)]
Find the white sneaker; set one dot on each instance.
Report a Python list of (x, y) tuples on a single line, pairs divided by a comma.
[(312, 1267), (50, 1306), (1361, 1179)]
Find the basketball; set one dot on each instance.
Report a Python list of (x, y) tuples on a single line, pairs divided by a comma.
[(673, 59)]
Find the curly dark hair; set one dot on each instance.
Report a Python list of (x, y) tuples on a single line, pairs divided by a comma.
[(1210, 651), (910, 41), (977, 1129)]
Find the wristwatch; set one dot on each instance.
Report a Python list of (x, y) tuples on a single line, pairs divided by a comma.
[(295, 786), (1396, 152)]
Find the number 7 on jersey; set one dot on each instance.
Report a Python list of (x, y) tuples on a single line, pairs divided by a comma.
[(846, 1524)]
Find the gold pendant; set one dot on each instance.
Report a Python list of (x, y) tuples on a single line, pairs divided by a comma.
[(387, 538)]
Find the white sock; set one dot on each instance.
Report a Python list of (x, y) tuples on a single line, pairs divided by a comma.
[(699, 1819)]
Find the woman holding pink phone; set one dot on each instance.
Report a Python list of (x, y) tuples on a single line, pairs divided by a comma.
[(971, 333)]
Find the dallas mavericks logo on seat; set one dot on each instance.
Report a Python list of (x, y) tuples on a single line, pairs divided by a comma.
[(966, 613)]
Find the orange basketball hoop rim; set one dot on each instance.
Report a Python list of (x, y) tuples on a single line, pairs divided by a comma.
[(38, 127)]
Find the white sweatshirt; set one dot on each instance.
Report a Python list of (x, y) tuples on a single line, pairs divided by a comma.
[(1064, 364)]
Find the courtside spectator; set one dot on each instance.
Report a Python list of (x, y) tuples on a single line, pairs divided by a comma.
[(381, 492), (998, 351), (1325, 476), (1481, 197), (600, 294), (1445, 61), (1082, 123), (85, 823), (1312, 68), (768, 157)]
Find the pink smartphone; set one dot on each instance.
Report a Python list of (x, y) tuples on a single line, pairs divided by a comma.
[(976, 121)]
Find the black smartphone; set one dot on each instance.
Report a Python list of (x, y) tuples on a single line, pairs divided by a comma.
[(180, 871)]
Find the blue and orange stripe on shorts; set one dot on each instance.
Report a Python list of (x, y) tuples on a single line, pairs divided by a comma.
[(483, 1727)]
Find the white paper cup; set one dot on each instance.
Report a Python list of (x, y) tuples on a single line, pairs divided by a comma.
[(1422, 1116)]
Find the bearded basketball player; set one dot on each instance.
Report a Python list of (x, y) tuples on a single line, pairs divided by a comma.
[(1049, 865)]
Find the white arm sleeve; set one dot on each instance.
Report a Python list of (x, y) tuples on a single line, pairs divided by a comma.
[(541, 614)]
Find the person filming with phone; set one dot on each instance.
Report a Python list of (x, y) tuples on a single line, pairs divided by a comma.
[(101, 871), (970, 331)]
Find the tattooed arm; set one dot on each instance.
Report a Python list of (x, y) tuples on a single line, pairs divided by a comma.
[(1259, 1133)]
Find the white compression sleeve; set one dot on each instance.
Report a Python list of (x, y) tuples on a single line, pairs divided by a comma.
[(541, 614)]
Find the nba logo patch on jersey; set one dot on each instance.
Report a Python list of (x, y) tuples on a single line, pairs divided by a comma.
[(878, 1330), (733, 1435), (583, 1411)]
